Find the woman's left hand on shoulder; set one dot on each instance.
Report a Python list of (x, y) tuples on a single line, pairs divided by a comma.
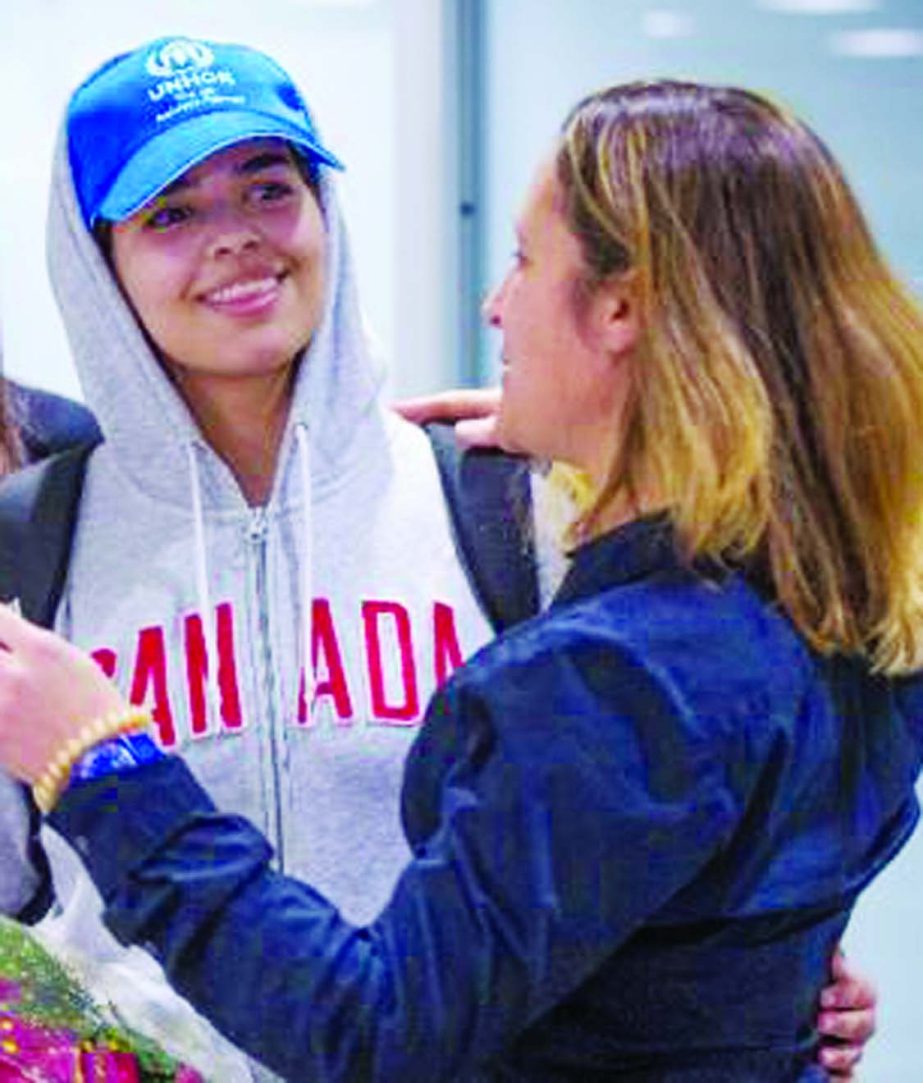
[(473, 411)]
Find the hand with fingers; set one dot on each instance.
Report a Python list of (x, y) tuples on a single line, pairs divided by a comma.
[(49, 692), (847, 1019), (473, 410)]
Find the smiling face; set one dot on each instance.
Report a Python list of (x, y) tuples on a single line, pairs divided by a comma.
[(225, 268), (565, 374)]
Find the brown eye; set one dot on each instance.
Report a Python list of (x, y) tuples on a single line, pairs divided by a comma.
[(271, 191), (165, 217)]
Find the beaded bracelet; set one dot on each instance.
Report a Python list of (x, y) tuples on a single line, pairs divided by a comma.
[(49, 785)]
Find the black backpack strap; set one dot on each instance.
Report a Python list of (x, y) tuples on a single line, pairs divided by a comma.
[(49, 423), (38, 510), (490, 506)]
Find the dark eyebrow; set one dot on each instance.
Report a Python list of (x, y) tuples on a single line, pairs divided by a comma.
[(265, 160), (256, 164)]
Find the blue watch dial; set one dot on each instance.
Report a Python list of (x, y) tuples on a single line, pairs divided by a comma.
[(115, 756)]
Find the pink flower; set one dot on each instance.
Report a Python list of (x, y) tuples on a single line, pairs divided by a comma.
[(185, 1074), (108, 1066), (35, 1054)]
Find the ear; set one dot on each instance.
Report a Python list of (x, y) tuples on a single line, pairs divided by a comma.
[(617, 314)]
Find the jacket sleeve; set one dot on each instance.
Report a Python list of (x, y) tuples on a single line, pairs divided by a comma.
[(24, 880), (544, 836)]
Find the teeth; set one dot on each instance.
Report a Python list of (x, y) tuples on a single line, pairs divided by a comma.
[(239, 290)]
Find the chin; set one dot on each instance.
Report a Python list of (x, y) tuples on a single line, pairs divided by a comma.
[(509, 439), (270, 355)]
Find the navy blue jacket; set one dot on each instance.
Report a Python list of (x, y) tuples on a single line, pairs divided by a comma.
[(639, 823)]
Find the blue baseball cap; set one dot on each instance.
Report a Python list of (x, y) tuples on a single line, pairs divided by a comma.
[(143, 119)]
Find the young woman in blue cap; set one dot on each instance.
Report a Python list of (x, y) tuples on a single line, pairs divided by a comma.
[(263, 553), (639, 822)]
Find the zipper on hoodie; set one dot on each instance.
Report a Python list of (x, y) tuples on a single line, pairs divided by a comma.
[(258, 530)]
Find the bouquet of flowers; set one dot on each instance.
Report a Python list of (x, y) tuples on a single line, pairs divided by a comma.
[(53, 1031)]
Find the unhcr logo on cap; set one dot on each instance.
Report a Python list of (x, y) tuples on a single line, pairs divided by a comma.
[(177, 55), (186, 76)]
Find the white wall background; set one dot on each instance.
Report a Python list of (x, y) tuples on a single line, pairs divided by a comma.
[(354, 59)]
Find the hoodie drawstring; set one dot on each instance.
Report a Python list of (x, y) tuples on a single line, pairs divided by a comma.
[(307, 561), (209, 617)]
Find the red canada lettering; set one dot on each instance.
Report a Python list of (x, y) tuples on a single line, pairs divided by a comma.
[(105, 659), (329, 673), (151, 676), (375, 616), (197, 671), (447, 655)]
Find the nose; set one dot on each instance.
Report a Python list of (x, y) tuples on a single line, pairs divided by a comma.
[(231, 232), (491, 306)]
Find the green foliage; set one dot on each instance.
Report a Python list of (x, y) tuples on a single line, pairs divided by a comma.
[(39, 989)]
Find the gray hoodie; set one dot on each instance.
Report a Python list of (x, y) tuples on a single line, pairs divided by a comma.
[(171, 569)]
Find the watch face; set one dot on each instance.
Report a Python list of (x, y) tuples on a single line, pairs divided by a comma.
[(109, 756), (114, 756)]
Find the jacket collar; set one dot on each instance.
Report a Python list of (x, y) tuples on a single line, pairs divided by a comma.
[(631, 552)]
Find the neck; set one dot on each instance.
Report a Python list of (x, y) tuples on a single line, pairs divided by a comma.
[(620, 508), (243, 420)]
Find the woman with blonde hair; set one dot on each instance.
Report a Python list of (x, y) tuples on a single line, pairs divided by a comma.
[(639, 822), (775, 413)]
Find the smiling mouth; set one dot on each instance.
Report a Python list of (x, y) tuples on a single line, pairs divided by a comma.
[(254, 290)]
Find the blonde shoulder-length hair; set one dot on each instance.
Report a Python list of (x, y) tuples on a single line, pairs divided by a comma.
[(776, 408)]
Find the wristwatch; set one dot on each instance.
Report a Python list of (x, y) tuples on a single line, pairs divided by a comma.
[(115, 756)]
